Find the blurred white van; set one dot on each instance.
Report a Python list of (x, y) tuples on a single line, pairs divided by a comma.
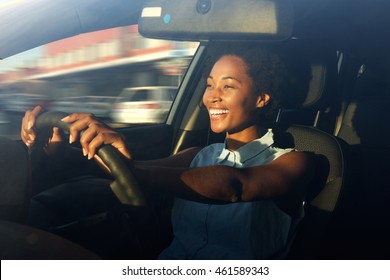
[(143, 105)]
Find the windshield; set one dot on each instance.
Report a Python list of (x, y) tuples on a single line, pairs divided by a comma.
[(92, 73)]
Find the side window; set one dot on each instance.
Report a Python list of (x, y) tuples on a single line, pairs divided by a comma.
[(172, 94), (139, 95), (101, 72)]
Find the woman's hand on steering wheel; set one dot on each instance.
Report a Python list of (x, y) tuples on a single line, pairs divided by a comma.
[(28, 133), (93, 134), (98, 140)]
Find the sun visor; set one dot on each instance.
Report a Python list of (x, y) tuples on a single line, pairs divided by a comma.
[(197, 20)]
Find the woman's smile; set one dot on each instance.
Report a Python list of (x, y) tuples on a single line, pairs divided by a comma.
[(218, 113)]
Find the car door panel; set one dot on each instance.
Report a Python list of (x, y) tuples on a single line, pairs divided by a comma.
[(149, 141)]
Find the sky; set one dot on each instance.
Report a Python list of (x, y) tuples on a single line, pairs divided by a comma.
[(4, 3), (19, 60)]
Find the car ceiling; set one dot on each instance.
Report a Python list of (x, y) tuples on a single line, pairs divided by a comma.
[(31, 23), (351, 25)]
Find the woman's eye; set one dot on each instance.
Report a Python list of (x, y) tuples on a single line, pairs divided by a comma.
[(228, 87)]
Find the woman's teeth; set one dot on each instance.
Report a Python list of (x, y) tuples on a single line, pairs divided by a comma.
[(218, 111)]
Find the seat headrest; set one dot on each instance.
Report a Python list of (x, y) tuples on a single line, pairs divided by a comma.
[(316, 90), (365, 122), (365, 118), (317, 84)]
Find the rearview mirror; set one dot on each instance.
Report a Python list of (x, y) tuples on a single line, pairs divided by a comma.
[(197, 20)]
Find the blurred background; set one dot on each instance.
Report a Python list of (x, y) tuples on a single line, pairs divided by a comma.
[(115, 74)]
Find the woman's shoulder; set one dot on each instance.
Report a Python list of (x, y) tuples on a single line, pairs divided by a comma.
[(213, 147), (208, 154)]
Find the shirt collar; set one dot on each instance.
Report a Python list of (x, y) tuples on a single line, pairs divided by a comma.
[(250, 149)]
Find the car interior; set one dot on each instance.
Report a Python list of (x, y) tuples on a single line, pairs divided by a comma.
[(339, 117)]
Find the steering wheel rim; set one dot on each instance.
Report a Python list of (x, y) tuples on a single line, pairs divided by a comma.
[(124, 185)]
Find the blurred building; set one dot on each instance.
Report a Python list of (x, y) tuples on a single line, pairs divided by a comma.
[(103, 62)]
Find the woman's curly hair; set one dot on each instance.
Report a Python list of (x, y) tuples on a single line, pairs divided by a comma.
[(271, 70)]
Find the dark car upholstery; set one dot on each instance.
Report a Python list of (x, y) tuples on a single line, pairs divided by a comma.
[(364, 126), (14, 188)]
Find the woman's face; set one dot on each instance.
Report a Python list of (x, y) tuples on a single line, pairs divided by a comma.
[(229, 96)]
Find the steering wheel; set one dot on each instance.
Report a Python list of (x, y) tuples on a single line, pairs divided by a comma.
[(124, 185)]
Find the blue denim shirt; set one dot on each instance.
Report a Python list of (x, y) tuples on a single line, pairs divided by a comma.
[(243, 230)]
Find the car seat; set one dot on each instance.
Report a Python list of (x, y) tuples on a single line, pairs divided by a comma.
[(314, 238), (324, 192), (309, 102), (365, 127), (364, 120)]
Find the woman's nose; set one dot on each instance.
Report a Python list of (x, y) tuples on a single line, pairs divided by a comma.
[(216, 95)]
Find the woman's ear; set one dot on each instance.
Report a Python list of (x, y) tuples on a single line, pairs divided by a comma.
[(262, 100)]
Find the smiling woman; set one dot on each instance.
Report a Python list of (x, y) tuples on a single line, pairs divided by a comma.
[(236, 198), (247, 167), (210, 182)]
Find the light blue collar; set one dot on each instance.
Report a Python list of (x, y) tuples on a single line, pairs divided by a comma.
[(249, 150)]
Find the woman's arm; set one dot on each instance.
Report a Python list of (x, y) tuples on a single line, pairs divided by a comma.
[(288, 175), (229, 184), (285, 177)]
